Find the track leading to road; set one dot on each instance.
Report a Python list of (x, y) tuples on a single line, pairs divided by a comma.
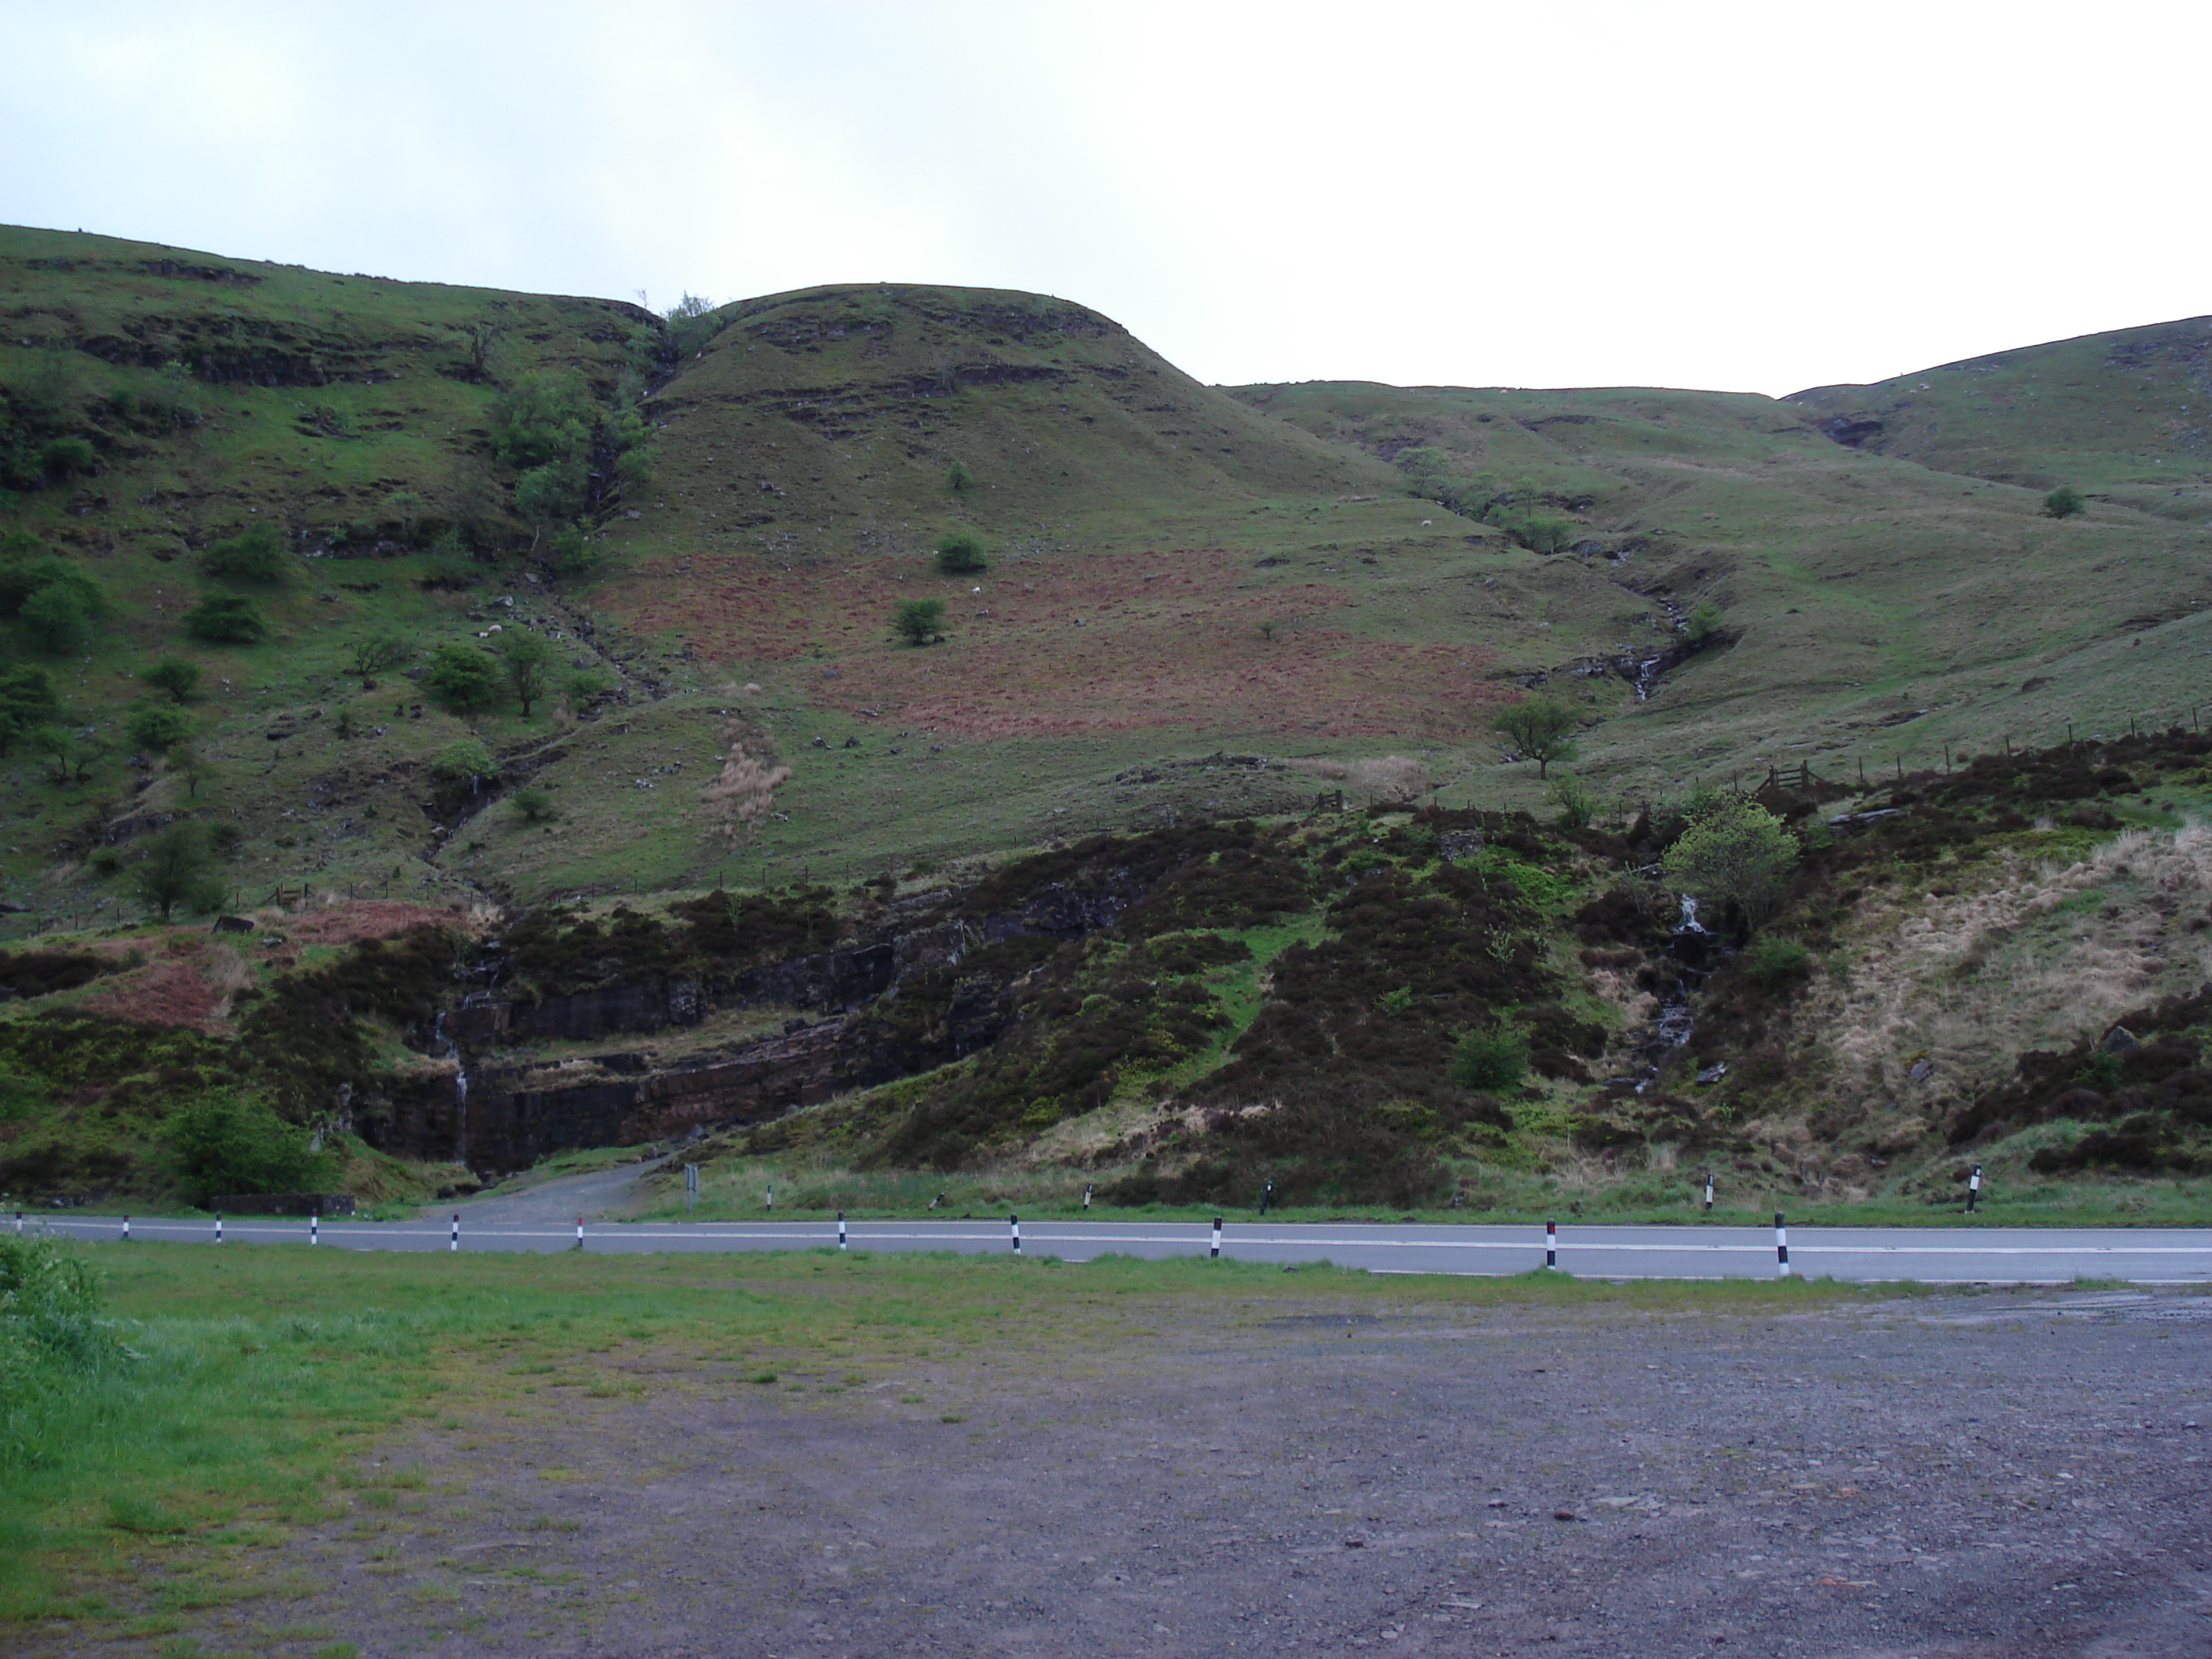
[(1929, 1255)]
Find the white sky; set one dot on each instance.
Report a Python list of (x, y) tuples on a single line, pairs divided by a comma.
[(1757, 197)]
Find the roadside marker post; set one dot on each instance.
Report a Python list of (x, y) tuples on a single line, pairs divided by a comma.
[(1267, 1197), (1709, 1192), (769, 1203), (1014, 1226), (1550, 1243), (1214, 1254), (840, 1229), (127, 1230), (1973, 1188), (1087, 1187), (218, 1226), (690, 1186), (314, 1227), (453, 1242), (580, 1232), (1781, 1247)]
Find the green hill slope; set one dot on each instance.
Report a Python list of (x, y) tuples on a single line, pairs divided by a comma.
[(1874, 607)]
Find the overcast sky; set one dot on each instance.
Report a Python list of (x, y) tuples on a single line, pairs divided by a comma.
[(1752, 197)]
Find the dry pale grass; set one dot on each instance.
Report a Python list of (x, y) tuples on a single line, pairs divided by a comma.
[(1393, 779), (743, 792), (2032, 959)]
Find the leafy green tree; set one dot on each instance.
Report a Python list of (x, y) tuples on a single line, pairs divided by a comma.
[(226, 619), (1488, 1061), (920, 620), (1735, 853), (527, 662), (960, 554), (552, 494), (180, 868), (1426, 468), (26, 700), (1541, 729), (536, 804), (227, 1141), (586, 686), (958, 479), (1577, 805), (1703, 622), (254, 555), (547, 417), (692, 325), (64, 750), (57, 622), (463, 764), (374, 654), (160, 728), (2064, 502), (176, 676), (466, 679), (21, 582)]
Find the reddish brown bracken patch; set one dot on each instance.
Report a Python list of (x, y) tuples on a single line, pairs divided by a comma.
[(361, 919), (173, 993), (1110, 641)]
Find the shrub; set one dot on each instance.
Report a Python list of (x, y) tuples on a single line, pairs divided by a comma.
[(159, 729), (1577, 805), (372, 654), (536, 804), (462, 763), (1489, 1061), (2064, 502), (463, 678), (1774, 963), (586, 686), (1703, 622), (179, 869), (959, 554), (20, 582), (27, 699), (546, 418), (255, 555), (63, 456), (57, 622), (226, 619), (958, 479), (920, 620), (1541, 728), (180, 678), (229, 1142)]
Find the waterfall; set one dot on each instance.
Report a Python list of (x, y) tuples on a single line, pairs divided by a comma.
[(441, 1042), (1687, 943)]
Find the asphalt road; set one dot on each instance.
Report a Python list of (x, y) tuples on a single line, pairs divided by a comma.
[(1968, 1254)]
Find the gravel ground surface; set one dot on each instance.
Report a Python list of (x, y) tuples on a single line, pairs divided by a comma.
[(1964, 1474)]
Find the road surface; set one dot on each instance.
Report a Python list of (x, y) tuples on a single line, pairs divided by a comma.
[(1948, 1256)]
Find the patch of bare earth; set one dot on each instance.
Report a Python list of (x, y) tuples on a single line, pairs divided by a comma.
[(1954, 1478), (1110, 643)]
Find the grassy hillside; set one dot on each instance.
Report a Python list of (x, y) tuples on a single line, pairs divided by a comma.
[(1871, 608)]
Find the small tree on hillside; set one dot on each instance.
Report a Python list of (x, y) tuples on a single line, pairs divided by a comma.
[(463, 678), (958, 479), (2064, 502), (179, 869), (526, 660), (255, 555), (1736, 853), (375, 652), (960, 554), (175, 676), (57, 621), (159, 729), (920, 620), (1541, 729), (226, 619)]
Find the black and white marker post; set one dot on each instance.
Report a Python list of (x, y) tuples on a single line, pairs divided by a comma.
[(218, 1226), (1973, 1188), (1214, 1254), (1550, 1243), (580, 1232), (1014, 1227), (127, 1230), (1086, 1194), (840, 1229), (314, 1226), (1709, 1192), (1267, 1197), (1781, 1247), (454, 1242)]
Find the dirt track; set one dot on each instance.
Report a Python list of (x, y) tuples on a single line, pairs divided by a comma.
[(1986, 1475)]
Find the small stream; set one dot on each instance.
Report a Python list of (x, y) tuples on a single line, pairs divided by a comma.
[(1690, 948)]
